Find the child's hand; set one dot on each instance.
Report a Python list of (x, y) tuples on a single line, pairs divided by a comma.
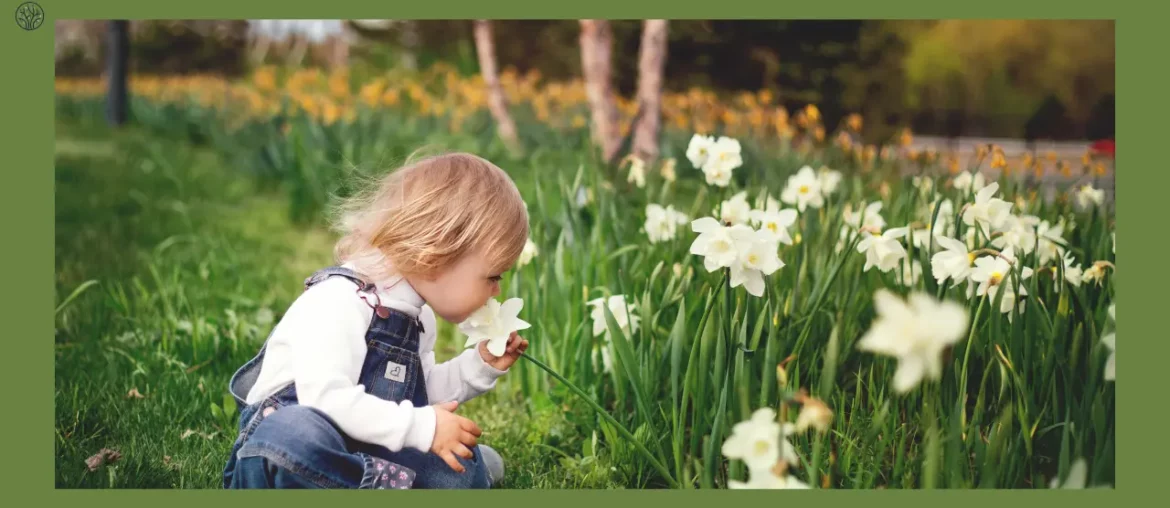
[(516, 345), (454, 435)]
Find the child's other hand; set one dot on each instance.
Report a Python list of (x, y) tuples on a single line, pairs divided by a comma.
[(516, 345), (454, 435)]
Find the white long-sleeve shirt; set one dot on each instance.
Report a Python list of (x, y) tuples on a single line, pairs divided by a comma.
[(319, 344)]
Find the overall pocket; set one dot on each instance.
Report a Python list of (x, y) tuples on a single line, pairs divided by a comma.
[(390, 372)]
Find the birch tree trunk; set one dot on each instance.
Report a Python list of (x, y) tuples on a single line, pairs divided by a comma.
[(497, 103), (596, 49), (651, 62)]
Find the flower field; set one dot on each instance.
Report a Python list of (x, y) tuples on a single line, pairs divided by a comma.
[(772, 304)]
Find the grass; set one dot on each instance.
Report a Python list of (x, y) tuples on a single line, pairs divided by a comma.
[(184, 238), (191, 267)]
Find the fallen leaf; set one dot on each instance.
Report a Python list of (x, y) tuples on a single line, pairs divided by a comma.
[(187, 433), (102, 457), (134, 394)]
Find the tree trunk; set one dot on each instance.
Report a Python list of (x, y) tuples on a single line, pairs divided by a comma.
[(338, 50), (650, 67), (497, 103), (596, 47), (118, 40)]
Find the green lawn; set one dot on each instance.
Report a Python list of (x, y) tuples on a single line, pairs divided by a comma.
[(191, 267)]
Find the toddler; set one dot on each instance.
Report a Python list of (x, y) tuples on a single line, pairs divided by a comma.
[(346, 392)]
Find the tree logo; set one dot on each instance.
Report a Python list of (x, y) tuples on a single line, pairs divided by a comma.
[(30, 16)]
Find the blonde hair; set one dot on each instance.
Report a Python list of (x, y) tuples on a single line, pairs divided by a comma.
[(429, 214)]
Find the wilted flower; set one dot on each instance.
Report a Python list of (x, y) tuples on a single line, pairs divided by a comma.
[(662, 223), (916, 332), (803, 190), (494, 322), (814, 413)]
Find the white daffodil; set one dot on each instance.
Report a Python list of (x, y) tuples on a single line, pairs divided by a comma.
[(662, 223), (1073, 274), (699, 150), (736, 210), (916, 332), (758, 444), (771, 204), (882, 250), (1049, 241), (776, 223), (971, 238), (970, 181), (910, 272), (637, 172), (1109, 340), (1087, 197), (1077, 479), (767, 480), (667, 170), (942, 225), (870, 216), (924, 184), (994, 274), (987, 209), (494, 322), (954, 261), (829, 180), (756, 261), (720, 245), (626, 320), (803, 190), (1017, 233), (530, 251), (724, 156)]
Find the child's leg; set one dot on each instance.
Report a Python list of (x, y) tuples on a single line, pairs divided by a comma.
[(432, 472), (299, 447)]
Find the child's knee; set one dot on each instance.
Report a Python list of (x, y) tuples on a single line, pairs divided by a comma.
[(294, 438)]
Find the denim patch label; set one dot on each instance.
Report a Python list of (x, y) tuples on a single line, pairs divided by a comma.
[(395, 372)]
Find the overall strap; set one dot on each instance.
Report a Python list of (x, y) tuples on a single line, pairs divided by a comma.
[(365, 289), (364, 284)]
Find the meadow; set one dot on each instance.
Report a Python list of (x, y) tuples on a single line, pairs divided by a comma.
[(772, 304)]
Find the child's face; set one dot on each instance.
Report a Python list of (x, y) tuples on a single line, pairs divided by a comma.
[(461, 290)]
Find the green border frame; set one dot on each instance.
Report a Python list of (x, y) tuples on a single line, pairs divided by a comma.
[(27, 206)]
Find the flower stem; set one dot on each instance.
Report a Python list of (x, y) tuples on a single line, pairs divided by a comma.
[(605, 415)]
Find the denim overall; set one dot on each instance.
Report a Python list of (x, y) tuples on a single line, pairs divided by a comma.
[(285, 445)]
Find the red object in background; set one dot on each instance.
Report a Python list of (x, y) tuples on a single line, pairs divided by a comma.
[(1104, 147)]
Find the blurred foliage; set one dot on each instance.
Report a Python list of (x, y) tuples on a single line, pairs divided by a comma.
[(1011, 78)]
